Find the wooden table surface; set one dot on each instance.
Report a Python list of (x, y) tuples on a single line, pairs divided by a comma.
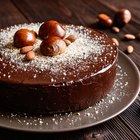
[(80, 12)]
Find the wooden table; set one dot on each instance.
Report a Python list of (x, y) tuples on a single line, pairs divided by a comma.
[(80, 12)]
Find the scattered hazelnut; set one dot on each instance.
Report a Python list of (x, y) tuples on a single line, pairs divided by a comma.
[(115, 41), (122, 17), (71, 38), (68, 42), (129, 37), (130, 49), (24, 37), (26, 49), (52, 46), (104, 20), (30, 55), (115, 29), (51, 28)]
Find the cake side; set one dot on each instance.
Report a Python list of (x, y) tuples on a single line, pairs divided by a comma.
[(55, 99)]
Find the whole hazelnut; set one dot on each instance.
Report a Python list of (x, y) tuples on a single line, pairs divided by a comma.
[(51, 28), (24, 37), (52, 46), (104, 20), (122, 17)]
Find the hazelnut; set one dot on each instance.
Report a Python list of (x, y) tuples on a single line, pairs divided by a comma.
[(24, 37), (104, 20), (122, 17), (51, 28), (71, 38), (52, 46), (30, 55)]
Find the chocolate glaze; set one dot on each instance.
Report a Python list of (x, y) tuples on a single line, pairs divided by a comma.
[(22, 92)]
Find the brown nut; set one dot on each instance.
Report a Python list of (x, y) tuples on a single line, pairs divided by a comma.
[(26, 49), (104, 20), (122, 17), (115, 29), (52, 46), (115, 41), (68, 42), (130, 49), (24, 37), (71, 38), (129, 37), (51, 28), (30, 55)]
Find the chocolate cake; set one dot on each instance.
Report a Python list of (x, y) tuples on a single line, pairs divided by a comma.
[(72, 81)]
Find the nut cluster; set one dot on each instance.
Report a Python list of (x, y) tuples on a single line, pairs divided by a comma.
[(121, 18), (25, 39), (52, 33), (53, 39)]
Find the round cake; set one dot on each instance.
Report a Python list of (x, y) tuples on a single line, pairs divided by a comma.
[(71, 81)]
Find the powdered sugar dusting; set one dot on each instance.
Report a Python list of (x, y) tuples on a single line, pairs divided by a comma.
[(76, 53)]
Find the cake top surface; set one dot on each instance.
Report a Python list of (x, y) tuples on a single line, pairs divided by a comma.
[(93, 52)]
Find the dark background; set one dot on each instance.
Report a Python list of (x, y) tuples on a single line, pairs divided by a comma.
[(80, 12)]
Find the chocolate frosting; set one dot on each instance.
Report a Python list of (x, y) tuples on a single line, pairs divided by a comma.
[(72, 87)]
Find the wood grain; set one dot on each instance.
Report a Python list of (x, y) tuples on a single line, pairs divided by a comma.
[(9, 15), (131, 118), (80, 12)]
